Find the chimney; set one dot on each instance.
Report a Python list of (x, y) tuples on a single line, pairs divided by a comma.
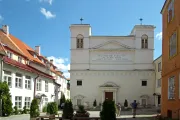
[(37, 49), (51, 61), (5, 28)]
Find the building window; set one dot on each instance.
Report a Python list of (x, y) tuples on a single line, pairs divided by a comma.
[(171, 87), (79, 82), (144, 41), (9, 54), (144, 83), (79, 102), (28, 82), (27, 102), (79, 41), (18, 82), (18, 102), (158, 83), (46, 101), (38, 85), (171, 11), (173, 45), (20, 59), (46, 86), (35, 56), (8, 78), (159, 67)]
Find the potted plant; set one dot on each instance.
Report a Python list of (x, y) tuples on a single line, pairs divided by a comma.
[(125, 104), (34, 109), (108, 111), (68, 110), (52, 109), (81, 112), (94, 104)]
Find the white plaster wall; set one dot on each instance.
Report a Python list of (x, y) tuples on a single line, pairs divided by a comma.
[(129, 82), (25, 92)]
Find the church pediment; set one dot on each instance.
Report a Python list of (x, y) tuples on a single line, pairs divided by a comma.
[(112, 45), (109, 84)]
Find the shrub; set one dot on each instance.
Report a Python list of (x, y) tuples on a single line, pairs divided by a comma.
[(44, 108), (24, 110), (95, 103), (34, 109), (68, 110), (63, 99), (108, 111), (81, 112), (16, 110), (6, 99), (52, 108), (125, 103)]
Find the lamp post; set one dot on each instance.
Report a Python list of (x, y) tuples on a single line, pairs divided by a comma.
[(154, 94)]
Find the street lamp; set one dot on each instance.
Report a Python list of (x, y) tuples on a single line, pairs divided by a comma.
[(154, 94)]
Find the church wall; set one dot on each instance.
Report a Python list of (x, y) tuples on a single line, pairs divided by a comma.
[(129, 82)]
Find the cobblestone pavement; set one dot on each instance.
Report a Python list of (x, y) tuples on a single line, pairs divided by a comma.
[(142, 114)]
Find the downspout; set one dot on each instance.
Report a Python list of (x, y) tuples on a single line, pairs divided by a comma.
[(35, 85), (2, 69)]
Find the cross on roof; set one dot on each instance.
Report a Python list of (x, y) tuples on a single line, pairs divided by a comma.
[(81, 20), (141, 20)]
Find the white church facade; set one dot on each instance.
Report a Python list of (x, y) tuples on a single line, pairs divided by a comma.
[(112, 67)]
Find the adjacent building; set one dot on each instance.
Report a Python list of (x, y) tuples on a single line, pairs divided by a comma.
[(112, 67), (171, 59), (28, 73), (158, 79)]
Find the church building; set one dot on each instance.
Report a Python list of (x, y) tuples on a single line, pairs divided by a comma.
[(112, 67)]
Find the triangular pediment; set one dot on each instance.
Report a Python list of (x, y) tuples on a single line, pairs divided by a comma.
[(112, 45)]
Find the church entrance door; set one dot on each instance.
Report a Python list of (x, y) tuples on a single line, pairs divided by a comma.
[(109, 95)]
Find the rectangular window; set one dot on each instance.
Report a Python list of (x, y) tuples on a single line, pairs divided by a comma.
[(171, 87), (79, 102), (79, 43), (38, 85), (171, 11), (173, 45), (144, 83), (158, 83), (159, 66), (28, 82), (79, 82), (18, 80), (8, 78), (46, 86), (18, 102), (19, 59), (27, 102), (9, 54)]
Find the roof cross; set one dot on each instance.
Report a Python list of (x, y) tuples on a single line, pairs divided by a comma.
[(81, 20)]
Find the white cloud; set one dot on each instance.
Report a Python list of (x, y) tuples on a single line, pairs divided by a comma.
[(62, 64), (48, 1), (1, 18), (47, 13), (159, 36)]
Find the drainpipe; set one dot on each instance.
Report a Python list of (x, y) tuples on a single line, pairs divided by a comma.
[(35, 85)]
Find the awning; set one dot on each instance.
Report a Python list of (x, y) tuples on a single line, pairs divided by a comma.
[(40, 95)]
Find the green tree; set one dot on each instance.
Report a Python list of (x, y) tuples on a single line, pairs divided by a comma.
[(5, 96), (95, 103), (125, 103), (68, 110), (63, 99), (52, 108), (108, 111), (34, 109)]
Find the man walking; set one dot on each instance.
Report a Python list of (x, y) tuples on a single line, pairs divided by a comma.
[(134, 107)]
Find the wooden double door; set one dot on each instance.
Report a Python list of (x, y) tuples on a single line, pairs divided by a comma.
[(109, 95)]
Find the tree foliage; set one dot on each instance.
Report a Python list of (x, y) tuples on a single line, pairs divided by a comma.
[(52, 108), (63, 99), (68, 110), (95, 103), (5, 96), (108, 111), (34, 109), (125, 103)]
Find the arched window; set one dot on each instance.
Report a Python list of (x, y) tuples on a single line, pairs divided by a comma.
[(79, 41), (144, 41)]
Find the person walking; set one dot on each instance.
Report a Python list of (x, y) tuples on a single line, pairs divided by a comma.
[(134, 107), (118, 109)]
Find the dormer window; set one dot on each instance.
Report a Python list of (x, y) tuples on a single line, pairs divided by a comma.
[(19, 59), (9, 54), (144, 41), (35, 56), (79, 41)]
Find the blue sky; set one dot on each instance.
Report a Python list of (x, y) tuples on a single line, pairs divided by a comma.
[(46, 22)]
